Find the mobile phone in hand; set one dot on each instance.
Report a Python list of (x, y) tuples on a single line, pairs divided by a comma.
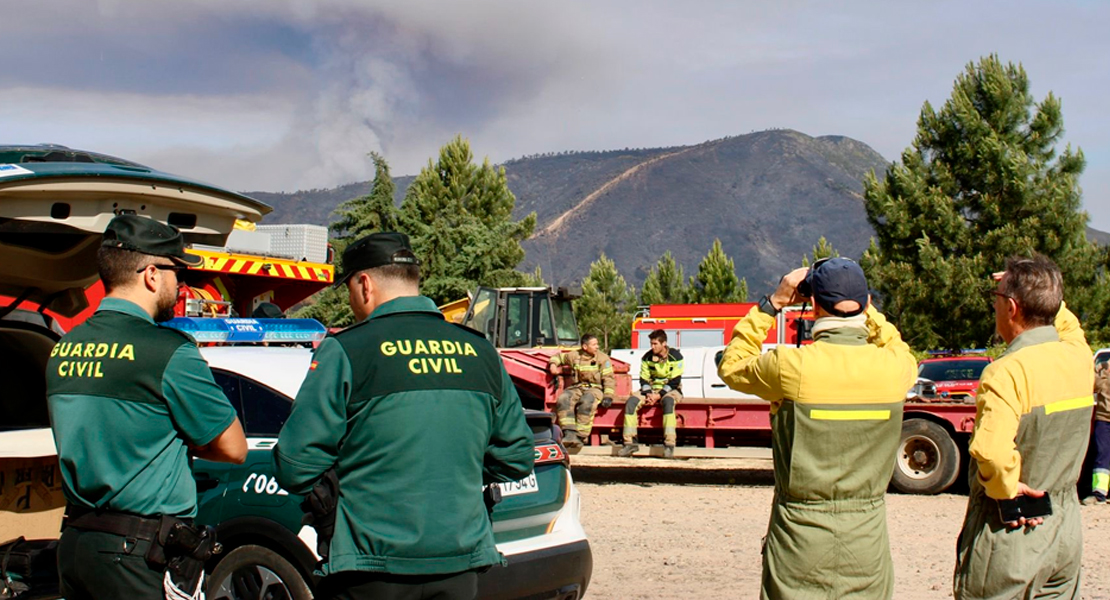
[(1025, 506)]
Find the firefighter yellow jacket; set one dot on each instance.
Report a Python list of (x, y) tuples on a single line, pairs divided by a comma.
[(836, 418), (589, 371), (1059, 360), (1032, 423)]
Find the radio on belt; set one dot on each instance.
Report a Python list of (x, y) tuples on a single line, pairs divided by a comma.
[(249, 331)]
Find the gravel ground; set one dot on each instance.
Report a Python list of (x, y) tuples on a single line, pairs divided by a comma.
[(692, 529)]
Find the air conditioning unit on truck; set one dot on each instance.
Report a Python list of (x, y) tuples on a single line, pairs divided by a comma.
[(711, 415)]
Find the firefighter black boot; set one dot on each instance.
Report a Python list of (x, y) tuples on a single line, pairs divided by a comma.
[(571, 441), (628, 450)]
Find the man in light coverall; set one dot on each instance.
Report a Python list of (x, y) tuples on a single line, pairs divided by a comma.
[(836, 419), (1033, 415), (413, 414), (592, 373)]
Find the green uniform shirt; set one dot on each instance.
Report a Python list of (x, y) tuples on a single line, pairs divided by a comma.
[(414, 414), (126, 396)]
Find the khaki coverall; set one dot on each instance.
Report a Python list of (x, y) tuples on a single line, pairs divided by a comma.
[(593, 379), (1031, 425), (836, 419)]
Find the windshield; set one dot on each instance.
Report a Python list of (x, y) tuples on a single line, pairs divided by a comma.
[(565, 325), (952, 370)]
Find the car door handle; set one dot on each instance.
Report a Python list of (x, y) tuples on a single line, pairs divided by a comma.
[(717, 385), (206, 483)]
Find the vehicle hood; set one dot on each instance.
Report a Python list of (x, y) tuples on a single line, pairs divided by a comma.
[(55, 204)]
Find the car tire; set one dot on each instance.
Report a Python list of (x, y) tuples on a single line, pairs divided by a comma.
[(256, 573), (927, 461)]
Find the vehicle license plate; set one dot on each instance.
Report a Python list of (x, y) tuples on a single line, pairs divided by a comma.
[(528, 485)]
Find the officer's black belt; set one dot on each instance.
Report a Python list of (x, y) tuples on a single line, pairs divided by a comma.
[(117, 523)]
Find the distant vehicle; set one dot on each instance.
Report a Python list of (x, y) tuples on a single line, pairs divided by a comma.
[(1102, 356), (956, 377)]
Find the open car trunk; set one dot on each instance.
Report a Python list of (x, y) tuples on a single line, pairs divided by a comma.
[(55, 204)]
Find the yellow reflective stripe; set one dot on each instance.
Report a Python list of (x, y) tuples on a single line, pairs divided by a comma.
[(631, 422), (669, 421), (609, 391), (849, 415), (1074, 403), (586, 367)]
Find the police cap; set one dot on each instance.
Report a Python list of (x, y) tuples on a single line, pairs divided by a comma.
[(834, 280), (148, 236), (376, 250)]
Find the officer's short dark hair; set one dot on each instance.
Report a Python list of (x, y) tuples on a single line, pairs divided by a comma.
[(586, 339), (1037, 286), (658, 336), (117, 267)]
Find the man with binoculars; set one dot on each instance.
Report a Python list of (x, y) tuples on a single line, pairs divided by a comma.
[(836, 419)]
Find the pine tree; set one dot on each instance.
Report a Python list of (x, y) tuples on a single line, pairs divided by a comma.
[(458, 215), (665, 283), (981, 182), (373, 212), (823, 249), (355, 218), (716, 280), (606, 306)]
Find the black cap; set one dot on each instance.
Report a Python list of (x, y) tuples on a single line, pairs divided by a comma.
[(148, 236), (267, 310), (376, 250), (837, 279)]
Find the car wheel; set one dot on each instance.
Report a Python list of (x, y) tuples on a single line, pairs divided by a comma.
[(256, 573), (928, 459)]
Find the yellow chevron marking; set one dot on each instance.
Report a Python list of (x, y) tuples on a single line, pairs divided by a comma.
[(303, 273), (1073, 404), (849, 415), (255, 267)]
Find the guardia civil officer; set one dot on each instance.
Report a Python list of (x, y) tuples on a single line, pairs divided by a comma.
[(836, 419), (413, 414), (593, 384), (129, 402), (1032, 418)]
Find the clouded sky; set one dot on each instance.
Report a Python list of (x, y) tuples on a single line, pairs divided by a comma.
[(284, 95)]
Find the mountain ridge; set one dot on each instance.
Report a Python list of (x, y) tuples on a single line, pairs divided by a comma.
[(767, 195)]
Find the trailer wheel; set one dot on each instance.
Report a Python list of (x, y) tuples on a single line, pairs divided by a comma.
[(928, 460)]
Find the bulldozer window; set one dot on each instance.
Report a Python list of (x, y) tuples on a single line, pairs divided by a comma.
[(517, 320)]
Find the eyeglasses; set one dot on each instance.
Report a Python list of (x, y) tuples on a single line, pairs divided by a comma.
[(999, 294), (177, 269)]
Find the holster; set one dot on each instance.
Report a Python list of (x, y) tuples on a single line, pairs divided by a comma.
[(182, 550), (319, 507)]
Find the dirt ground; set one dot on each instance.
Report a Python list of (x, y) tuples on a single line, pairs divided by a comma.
[(692, 529)]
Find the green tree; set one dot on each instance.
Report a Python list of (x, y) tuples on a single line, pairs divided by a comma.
[(823, 249), (982, 181), (355, 218), (373, 212), (665, 283), (716, 280), (606, 306), (459, 216)]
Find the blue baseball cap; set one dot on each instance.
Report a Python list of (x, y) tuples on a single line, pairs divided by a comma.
[(837, 279)]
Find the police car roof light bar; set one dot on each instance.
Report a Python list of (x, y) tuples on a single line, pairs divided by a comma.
[(249, 331)]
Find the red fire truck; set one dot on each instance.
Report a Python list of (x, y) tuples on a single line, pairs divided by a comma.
[(708, 325)]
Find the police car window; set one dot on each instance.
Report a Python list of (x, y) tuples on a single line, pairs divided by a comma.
[(265, 409), (229, 382)]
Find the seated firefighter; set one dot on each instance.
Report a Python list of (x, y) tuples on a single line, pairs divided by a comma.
[(660, 382), (592, 375)]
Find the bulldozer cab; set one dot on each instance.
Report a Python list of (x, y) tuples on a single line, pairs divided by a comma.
[(523, 317)]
